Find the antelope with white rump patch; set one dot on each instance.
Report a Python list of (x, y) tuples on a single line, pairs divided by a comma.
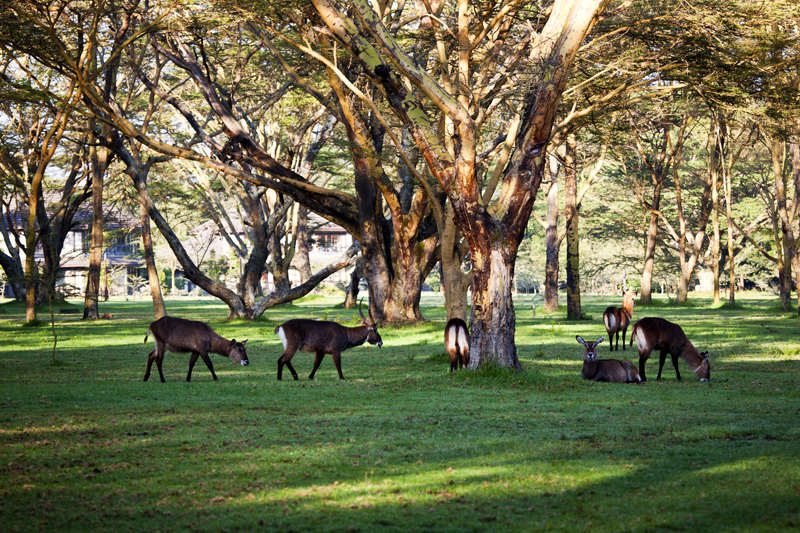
[(323, 337), (617, 320), (456, 342), (609, 370), (182, 336), (658, 334)]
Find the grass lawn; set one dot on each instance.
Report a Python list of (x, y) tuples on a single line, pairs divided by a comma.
[(400, 445)]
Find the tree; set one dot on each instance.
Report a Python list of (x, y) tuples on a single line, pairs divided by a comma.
[(493, 234)]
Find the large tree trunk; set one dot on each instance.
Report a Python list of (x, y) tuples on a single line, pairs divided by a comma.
[(552, 242), (398, 254), (455, 282), (493, 322), (572, 217), (150, 262)]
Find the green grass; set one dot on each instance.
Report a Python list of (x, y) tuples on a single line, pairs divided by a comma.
[(400, 445)]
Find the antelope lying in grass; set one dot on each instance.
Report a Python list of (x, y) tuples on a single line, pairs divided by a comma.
[(181, 336), (611, 370), (658, 334), (321, 337)]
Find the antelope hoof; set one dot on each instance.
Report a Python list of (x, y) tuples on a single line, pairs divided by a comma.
[(704, 379)]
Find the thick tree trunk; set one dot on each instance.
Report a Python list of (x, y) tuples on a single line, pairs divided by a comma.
[(150, 262), (572, 217), (493, 322), (552, 243), (455, 282)]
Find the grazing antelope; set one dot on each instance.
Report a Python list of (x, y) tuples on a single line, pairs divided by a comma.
[(456, 342), (323, 337), (617, 320), (181, 336), (658, 334), (610, 370)]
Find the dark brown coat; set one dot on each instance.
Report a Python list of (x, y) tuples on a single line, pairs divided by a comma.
[(321, 337), (617, 319), (179, 335), (658, 334), (610, 370)]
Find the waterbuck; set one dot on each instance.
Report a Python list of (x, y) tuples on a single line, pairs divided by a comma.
[(179, 335), (610, 370), (456, 342), (321, 337), (658, 334), (616, 320)]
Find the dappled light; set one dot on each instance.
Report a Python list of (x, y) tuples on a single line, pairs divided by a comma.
[(401, 444)]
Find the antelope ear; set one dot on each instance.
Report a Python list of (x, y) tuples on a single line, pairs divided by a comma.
[(580, 340), (599, 341), (244, 342)]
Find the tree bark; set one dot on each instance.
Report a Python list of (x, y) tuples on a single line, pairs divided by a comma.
[(301, 260), (150, 261), (100, 158), (455, 282), (714, 167), (650, 248), (351, 293), (790, 253), (794, 154), (12, 266), (493, 308), (552, 242), (50, 142), (572, 218)]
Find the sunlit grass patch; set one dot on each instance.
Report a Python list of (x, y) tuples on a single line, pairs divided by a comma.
[(402, 444)]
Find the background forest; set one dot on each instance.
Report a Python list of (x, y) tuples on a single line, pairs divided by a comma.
[(514, 146)]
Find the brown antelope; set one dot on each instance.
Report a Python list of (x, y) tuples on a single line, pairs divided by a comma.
[(179, 335), (617, 320), (610, 370), (456, 342), (323, 337), (658, 334)]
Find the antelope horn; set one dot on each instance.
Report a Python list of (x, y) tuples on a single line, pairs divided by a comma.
[(360, 312)]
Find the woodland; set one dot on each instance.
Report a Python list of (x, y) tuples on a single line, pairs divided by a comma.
[(487, 148)]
